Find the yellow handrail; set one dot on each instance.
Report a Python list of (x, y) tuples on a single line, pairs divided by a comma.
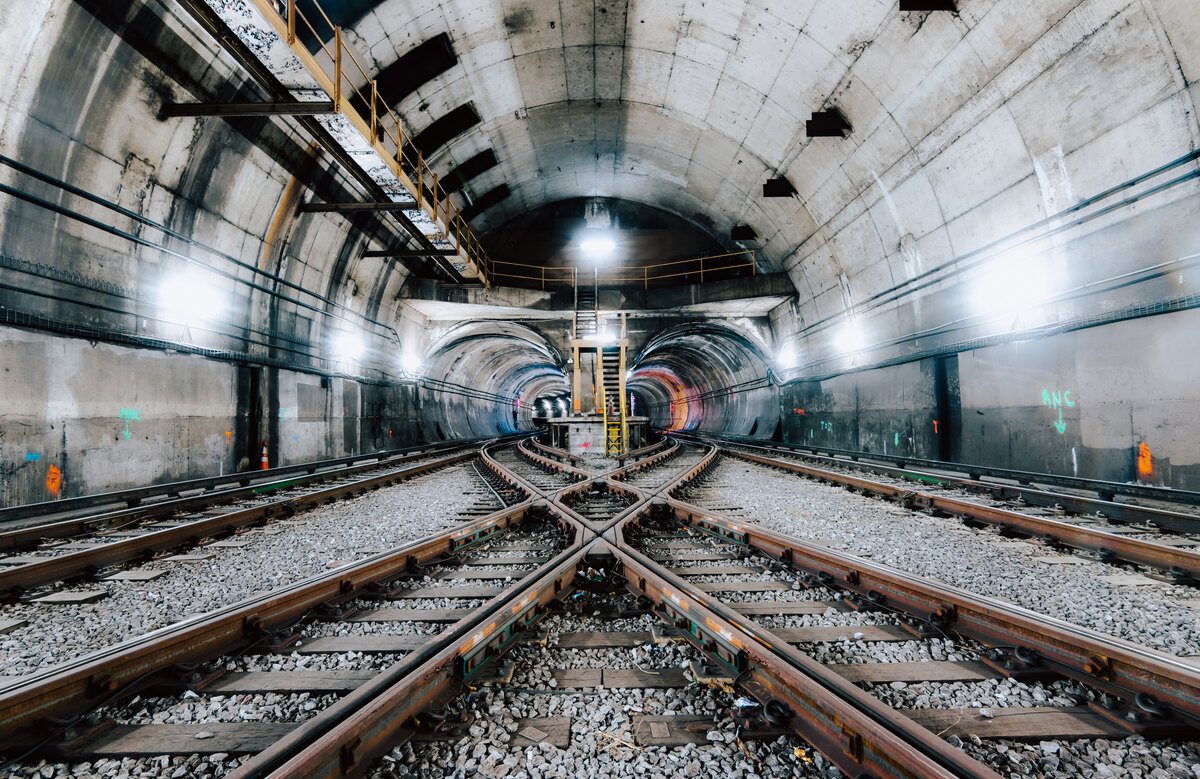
[(398, 157), (623, 273)]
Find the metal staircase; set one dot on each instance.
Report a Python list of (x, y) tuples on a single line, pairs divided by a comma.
[(613, 398), (587, 319)]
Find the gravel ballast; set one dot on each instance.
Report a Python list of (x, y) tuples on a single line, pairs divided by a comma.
[(602, 742), (278, 555), (938, 548)]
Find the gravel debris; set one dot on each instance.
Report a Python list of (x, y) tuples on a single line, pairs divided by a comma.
[(602, 743), (296, 549), (981, 562)]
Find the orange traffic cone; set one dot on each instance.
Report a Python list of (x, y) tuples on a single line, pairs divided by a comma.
[(265, 463)]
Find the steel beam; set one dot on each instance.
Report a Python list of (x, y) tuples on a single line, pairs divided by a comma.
[(407, 253), (349, 208), (294, 108)]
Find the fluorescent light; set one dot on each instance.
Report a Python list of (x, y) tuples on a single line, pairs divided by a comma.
[(410, 362), (192, 297), (1011, 286), (348, 346), (598, 247), (850, 338)]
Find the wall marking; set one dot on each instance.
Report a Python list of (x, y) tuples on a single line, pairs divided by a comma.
[(128, 414), (54, 480), (1056, 400)]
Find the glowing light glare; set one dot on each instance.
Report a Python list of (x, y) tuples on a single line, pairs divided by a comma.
[(410, 362), (850, 337), (787, 358), (348, 346), (607, 336), (191, 297), (598, 247), (1012, 285)]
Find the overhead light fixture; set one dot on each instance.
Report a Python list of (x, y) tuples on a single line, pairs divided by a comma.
[(1012, 285), (598, 248), (850, 338), (191, 297), (827, 124), (348, 346), (410, 362), (778, 187)]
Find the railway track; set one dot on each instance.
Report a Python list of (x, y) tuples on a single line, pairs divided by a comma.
[(782, 653), (1156, 509), (1152, 544), (937, 471), (101, 504), (92, 547)]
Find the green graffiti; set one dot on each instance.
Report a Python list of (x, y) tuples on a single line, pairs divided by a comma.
[(128, 414), (1056, 400)]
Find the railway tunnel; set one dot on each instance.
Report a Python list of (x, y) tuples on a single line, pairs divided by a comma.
[(532, 245)]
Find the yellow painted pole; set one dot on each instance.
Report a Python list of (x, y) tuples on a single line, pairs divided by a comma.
[(337, 69)]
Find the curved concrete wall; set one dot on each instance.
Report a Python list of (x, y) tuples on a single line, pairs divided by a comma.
[(706, 376), (482, 379)]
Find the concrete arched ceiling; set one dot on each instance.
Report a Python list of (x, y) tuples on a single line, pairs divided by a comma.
[(476, 368), (965, 126), (706, 376)]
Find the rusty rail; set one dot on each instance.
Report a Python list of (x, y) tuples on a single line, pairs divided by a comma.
[(570, 470), (855, 731), (15, 580), (349, 736), (1106, 505), (81, 684), (1183, 565), (32, 535), (943, 471), (135, 495), (1144, 679)]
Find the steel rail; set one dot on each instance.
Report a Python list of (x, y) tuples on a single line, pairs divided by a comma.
[(1104, 488), (645, 450), (1182, 564), (561, 454), (80, 684), (349, 736), (1111, 665), (575, 459), (857, 732), (136, 495), (343, 740), (653, 458), (32, 535), (558, 500), (503, 503), (355, 732), (570, 470), (513, 479), (1111, 510), (15, 580)]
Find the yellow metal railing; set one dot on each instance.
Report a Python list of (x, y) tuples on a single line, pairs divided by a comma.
[(335, 71), (625, 274)]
